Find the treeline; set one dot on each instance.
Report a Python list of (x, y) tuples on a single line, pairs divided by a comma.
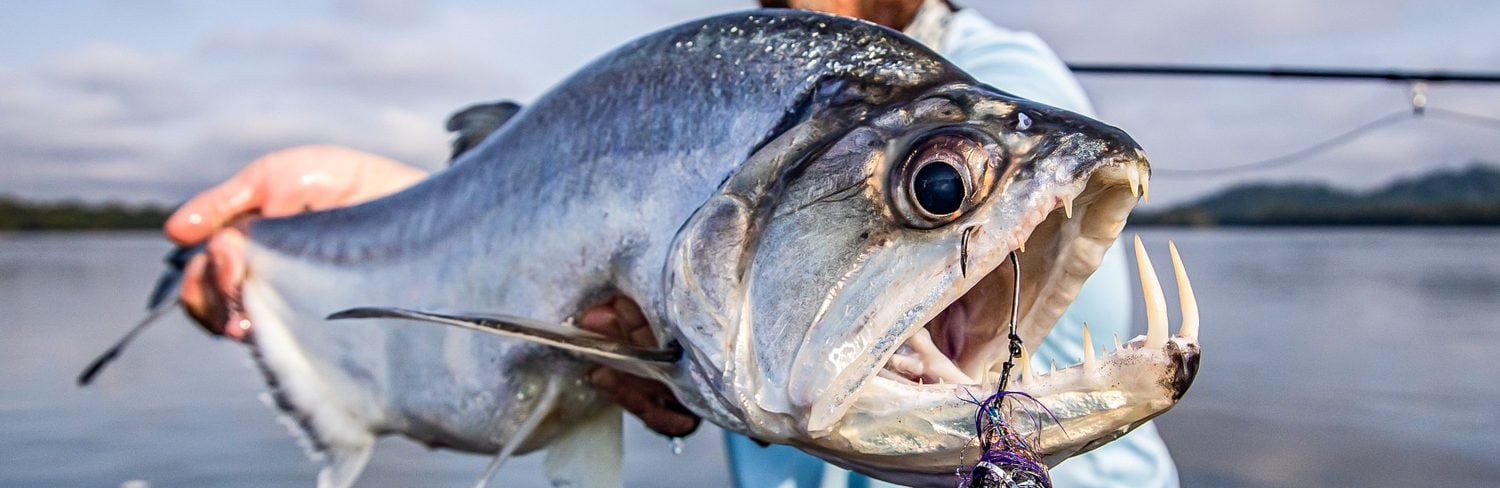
[(1469, 196), (21, 215)]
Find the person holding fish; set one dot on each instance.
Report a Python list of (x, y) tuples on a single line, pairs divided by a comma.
[(308, 178)]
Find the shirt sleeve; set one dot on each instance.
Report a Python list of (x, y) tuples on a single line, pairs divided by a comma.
[(1018, 63)]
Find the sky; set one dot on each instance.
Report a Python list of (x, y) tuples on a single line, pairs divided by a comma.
[(152, 100)]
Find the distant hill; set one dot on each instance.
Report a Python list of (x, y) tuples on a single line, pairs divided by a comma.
[(1470, 196), (17, 214)]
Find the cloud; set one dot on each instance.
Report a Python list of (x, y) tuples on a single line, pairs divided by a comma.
[(1209, 122), (343, 57), (386, 12), (110, 67), (155, 115), (225, 144), (139, 86), (45, 122)]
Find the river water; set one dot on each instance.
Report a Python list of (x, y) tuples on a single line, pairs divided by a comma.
[(1360, 357)]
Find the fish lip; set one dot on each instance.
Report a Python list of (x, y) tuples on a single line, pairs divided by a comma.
[(828, 411)]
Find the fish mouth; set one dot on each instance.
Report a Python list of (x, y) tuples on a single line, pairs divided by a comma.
[(912, 416), (966, 341)]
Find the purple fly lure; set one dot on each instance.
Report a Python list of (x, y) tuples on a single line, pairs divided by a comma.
[(1006, 460)]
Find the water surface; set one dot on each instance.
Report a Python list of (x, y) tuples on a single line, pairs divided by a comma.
[(1331, 358)]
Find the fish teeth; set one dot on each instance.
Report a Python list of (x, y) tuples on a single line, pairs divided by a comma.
[(1134, 175), (1068, 207), (1156, 303), (1027, 376), (1185, 298), (1117, 343), (1145, 186), (1088, 346)]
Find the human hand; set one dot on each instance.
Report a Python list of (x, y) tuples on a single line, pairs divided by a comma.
[(649, 400), (282, 183)]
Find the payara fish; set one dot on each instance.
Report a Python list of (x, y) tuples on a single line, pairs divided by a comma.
[(815, 215)]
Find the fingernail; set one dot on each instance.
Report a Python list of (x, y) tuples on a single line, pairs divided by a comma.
[(239, 325)]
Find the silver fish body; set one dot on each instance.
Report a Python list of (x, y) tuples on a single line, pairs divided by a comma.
[(747, 179)]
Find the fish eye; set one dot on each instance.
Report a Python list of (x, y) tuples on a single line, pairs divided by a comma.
[(938, 179), (938, 188)]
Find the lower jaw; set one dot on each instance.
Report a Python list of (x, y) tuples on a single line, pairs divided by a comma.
[(920, 434)]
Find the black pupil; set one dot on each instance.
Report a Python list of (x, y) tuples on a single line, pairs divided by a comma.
[(939, 188)]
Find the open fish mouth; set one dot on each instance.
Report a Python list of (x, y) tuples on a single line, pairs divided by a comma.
[(913, 411), (966, 341)]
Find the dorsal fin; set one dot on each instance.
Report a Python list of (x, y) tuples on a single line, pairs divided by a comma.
[(476, 122)]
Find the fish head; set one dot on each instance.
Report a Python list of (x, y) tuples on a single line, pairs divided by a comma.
[(849, 291)]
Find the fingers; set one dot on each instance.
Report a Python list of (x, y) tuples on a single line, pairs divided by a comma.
[(209, 211), (620, 318), (195, 292), (211, 284), (632, 323), (601, 319), (648, 400), (227, 255)]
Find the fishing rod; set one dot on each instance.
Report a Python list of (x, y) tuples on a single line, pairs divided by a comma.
[(1309, 72), (1419, 81)]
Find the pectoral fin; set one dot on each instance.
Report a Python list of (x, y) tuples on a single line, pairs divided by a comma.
[(167, 287), (590, 455), (642, 361), (345, 463)]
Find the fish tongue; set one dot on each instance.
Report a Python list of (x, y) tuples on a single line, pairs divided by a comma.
[(934, 362)]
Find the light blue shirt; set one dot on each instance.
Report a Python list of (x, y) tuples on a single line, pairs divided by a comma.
[(1021, 64)]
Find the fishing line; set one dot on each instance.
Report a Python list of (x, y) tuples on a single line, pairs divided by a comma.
[(1465, 118), (1340, 140), (1297, 156), (1007, 460)]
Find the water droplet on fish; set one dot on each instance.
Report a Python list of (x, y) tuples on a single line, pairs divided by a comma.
[(676, 443)]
